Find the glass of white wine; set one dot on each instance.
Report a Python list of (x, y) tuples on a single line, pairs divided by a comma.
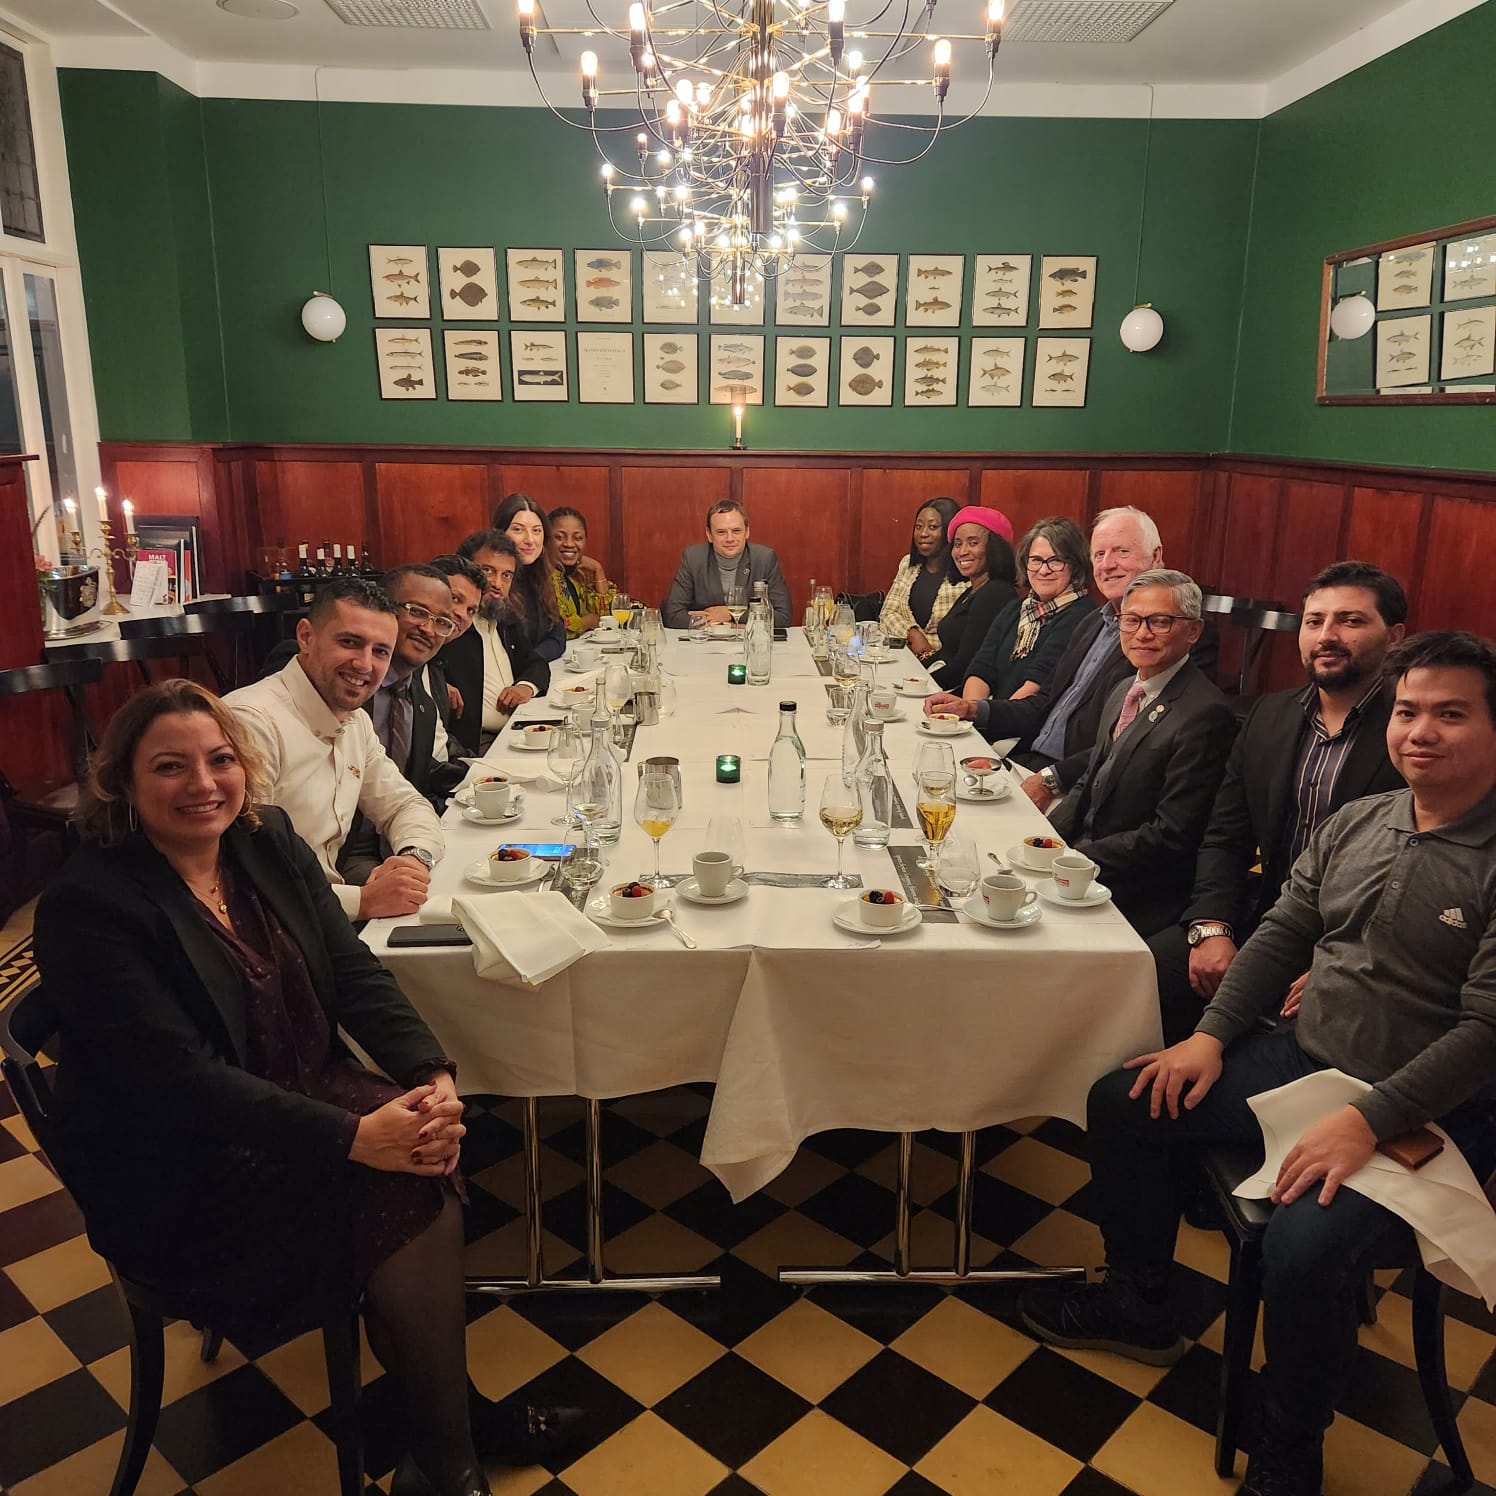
[(843, 624), (935, 804), (841, 815), (737, 601), (656, 809)]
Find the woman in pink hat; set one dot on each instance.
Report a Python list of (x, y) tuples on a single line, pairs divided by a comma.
[(981, 541)]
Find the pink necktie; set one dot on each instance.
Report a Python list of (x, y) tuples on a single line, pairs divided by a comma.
[(1130, 704)]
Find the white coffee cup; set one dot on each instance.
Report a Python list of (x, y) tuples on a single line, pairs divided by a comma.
[(589, 656), (491, 796), (883, 702), (1073, 874), (1004, 894), (608, 624), (713, 873)]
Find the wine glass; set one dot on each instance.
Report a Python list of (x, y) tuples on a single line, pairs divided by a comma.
[(656, 807), (622, 608), (737, 601), (564, 757), (843, 624), (616, 687), (841, 815), (725, 834), (582, 867), (825, 604), (651, 628), (960, 870), (935, 804), (846, 668)]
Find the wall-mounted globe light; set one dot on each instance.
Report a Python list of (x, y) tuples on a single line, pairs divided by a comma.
[(1352, 317), (1141, 329), (323, 318)]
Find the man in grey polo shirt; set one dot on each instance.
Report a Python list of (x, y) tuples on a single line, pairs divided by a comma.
[(1392, 909)]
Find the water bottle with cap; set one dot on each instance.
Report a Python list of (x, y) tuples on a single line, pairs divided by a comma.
[(787, 769), (758, 643)]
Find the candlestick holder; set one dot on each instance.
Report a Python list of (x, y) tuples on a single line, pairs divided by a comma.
[(107, 554)]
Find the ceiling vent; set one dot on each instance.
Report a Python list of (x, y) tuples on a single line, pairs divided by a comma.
[(412, 15), (1079, 20)]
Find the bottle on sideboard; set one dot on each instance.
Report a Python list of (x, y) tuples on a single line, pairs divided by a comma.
[(337, 559), (323, 568), (351, 553), (306, 577), (366, 565)]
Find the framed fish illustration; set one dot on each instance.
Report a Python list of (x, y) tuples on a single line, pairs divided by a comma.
[(1404, 350), (932, 370), (405, 367), (867, 371), (603, 284), (1470, 268), (1405, 278), (1468, 346), (995, 374), (1000, 290), (605, 368), (667, 288), (735, 369), (537, 364), (1061, 366), (670, 371), (870, 290), (473, 360), (537, 285), (400, 280), (1067, 291), (468, 283), (933, 290), (802, 292), (802, 370)]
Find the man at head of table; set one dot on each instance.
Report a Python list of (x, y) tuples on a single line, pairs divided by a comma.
[(725, 560)]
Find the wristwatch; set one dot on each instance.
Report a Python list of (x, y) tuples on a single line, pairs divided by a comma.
[(1207, 929), (420, 854), (1051, 781)]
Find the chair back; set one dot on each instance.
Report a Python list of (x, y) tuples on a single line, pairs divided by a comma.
[(26, 1026), (70, 672)]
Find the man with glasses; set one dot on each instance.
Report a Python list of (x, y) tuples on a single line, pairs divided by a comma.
[(1141, 806)]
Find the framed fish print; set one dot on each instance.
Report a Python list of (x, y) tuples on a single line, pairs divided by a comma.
[(537, 285), (670, 376), (1060, 369), (996, 373), (866, 371), (1000, 290), (1470, 268), (472, 358), (736, 369), (720, 310), (469, 284), (537, 364), (932, 294), (1468, 346), (404, 356), (605, 368), (932, 370), (802, 292), (1067, 291), (604, 287), (1405, 277), (1403, 352), (801, 370), (668, 287), (399, 277), (870, 290)]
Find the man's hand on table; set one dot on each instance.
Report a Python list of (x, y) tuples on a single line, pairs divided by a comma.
[(399, 885), (717, 614), (511, 698), (1332, 1150), (1037, 791), (1189, 1069), (957, 706)]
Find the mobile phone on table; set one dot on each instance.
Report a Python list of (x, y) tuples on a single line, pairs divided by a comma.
[(547, 851), (429, 935)]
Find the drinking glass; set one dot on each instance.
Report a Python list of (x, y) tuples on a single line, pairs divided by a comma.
[(616, 687), (841, 815), (935, 804), (934, 758), (622, 608), (656, 808), (666, 697), (564, 757), (872, 640), (725, 834), (843, 624), (582, 869), (825, 604), (846, 668), (960, 869), (651, 628), (737, 601)]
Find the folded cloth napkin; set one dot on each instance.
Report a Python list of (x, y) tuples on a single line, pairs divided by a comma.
[(437, 912), (535, 779), (1442, 1202), (532, 938)]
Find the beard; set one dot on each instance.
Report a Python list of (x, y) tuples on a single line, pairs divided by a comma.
[(494, 609), (1336, 671)]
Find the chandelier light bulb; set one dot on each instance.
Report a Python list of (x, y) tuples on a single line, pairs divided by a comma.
[(854, 62), (636, 16), (589, 64), (838, 210), (867, 186), (703, 95), (942, 53), (781, 86), (638, 205), (995, 10), (683, 91), (833, 122), (527, 24), (607, 171)]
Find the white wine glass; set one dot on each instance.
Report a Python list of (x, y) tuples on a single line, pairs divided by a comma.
[(564, 757), (960, 869), (935, 805), (843, 624), (656, 809), (841, 815), (935, 758), (737, 601), (725, 834), (616, 687), (622, 608)]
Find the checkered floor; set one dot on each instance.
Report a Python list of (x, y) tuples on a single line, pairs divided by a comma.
[(758, 1388)]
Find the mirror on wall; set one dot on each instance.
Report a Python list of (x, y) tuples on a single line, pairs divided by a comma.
[(1411, 321)]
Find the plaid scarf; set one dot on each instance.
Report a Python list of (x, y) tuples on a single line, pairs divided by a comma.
[(1032, 616)]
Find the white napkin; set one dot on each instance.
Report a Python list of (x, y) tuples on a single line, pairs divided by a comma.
[(1442, 1202), (437, 912), (533, 938)]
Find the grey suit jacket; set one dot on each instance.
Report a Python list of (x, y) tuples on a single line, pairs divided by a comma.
[(698, 584)]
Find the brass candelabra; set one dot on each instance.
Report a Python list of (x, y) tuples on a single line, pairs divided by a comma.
[(107, 554)]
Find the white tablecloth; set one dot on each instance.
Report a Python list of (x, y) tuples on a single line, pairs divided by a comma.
[(801, 1026)]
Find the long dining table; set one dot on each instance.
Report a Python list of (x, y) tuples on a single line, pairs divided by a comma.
[(800, 1025)]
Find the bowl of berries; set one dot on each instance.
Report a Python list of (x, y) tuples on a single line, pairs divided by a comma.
[(881, 908), (632, 901), (509, 864)]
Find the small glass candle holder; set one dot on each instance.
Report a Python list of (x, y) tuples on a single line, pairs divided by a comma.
[(737, 675), (729, 766)]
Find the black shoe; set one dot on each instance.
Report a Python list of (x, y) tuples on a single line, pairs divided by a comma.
[(1278, 1468), (1205, 1211), (409, 1481), (1106, 1316), (510, 1434)]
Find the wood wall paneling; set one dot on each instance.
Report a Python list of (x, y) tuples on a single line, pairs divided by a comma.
[(803, 513), (311, 502), (1172, 499), (20, 604), (425, 508), (664, 510), (1253, 506), (1459, 556), (1384, 530), (891, 497), (1026, 495)]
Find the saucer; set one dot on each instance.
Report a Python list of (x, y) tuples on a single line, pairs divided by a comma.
[(723, 631), (1097, 894), (998, 786), (525, 743), (464, 796), (600, 912), (687, 888), (923, 726), (920, 691), (477, 872), (878, 656), (847, 918), (1018, 860), (514, 813), (896, 717), (976, 911), (569, 696)]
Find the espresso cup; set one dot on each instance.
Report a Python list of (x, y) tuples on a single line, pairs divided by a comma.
[(491, 796), (1004, 894), (1073, 874), (713, 873), (608, 624), (589, 656), (882, 702)]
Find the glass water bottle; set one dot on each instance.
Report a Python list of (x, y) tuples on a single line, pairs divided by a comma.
[(787, 769)]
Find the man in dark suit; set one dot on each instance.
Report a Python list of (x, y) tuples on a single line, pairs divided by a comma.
[(1301, 755), (724, 558), (1141, 806)]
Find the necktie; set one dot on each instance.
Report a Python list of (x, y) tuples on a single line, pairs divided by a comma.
[(400, 725), (1130, 704)]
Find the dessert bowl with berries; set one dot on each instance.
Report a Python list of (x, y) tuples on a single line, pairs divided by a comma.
[(633, 900), (881, 907), (509, 864)]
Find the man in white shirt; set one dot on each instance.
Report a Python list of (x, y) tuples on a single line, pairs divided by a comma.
[(324, 758)]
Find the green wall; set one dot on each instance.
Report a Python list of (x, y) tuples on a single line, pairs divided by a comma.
[(1401, 145), (456, 175)]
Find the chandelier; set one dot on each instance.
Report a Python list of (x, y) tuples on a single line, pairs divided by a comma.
[(748, 141)]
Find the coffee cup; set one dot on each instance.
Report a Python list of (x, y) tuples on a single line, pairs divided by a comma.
[(589, 656), (1004, 894), (491, 796), (1073, 874), (607, 624), (883, 702), (713, 873), (1041, 851)]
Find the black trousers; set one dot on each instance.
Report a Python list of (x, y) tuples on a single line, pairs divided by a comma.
[(1179, 1005)]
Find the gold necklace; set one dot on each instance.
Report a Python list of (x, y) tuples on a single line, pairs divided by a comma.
[(212, 896)]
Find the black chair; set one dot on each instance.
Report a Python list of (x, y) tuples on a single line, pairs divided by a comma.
[(865, 606), (28, 1026), (180, 639), (1245, 1222), (257, 624)]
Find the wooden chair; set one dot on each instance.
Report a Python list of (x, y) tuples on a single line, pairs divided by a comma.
[(26, 1028)]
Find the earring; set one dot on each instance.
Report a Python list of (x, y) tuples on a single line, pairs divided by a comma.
[(131, 819)]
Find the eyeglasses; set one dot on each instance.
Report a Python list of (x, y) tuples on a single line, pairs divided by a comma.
[(439, 623), (1159, 624), (1046, 563)]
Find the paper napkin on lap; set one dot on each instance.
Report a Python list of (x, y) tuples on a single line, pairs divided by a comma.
[(532, 937), (1442, 1202)]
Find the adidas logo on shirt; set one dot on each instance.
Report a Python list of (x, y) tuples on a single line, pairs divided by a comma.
[(1454, 918)]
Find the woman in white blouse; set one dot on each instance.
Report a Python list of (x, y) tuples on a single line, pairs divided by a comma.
[(922, 592)]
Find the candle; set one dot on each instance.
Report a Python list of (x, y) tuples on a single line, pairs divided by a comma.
[(71, 508), (729, 769), (737, 674), (103, 497), (737, 424), (129, 516)]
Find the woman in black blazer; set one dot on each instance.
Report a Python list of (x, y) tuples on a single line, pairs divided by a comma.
[(222, 1141), (981, 554)]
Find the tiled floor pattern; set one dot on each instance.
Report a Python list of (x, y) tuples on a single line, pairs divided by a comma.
[(759, 1388)]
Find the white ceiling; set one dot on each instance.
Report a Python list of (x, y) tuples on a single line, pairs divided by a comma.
[(1213, 56)]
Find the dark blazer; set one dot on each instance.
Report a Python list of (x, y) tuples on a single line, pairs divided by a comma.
[(1141, 807), (965, 627), (461, 660), (698, 583), (152, 1094), (1255, 805), (994, 662)]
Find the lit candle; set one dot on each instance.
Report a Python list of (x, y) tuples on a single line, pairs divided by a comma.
[(737, 424), (129, 517), (737, 675), (71, 508), (729, 770), (103, 497)]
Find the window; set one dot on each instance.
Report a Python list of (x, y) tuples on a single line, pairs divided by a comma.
[(20, 192)]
